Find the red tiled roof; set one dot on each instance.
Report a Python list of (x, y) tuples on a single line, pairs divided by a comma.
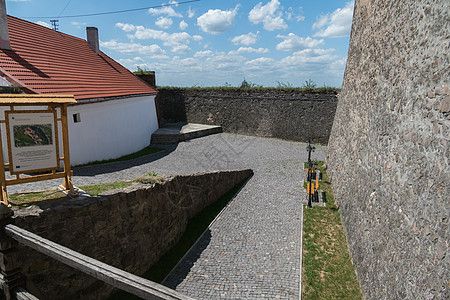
[(49, 61)]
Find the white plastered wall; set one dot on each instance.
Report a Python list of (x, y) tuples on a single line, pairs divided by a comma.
[(107, 129), (111, 129)]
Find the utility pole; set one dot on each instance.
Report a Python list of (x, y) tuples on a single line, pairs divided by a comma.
[(55, 24)]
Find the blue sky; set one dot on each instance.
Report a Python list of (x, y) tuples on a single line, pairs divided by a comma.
[(213, 42)]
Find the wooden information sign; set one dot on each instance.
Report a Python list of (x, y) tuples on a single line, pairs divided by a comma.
[(33, 140)]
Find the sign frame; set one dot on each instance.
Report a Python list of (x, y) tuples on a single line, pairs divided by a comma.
[(10, 140), (53, 104)]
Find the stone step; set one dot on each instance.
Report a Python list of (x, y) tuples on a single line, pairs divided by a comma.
[(178, 132)]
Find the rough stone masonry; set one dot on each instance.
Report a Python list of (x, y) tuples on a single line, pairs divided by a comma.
[(129, 229), (290, 114), (389, 148)]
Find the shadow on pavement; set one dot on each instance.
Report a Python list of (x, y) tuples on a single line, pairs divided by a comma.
[(181, 271), (122, 165)]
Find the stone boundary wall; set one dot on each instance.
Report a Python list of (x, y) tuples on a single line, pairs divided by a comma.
[(280, 113), (388, 153), (129, 229)]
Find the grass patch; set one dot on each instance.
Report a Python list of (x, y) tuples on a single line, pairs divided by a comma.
[(150, 178), (24, 199), (146, 151), (29, 198), (95, 189), (327, 271), (196, 226), (317, 90)]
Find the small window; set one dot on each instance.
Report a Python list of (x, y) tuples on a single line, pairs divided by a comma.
[(76, 118)]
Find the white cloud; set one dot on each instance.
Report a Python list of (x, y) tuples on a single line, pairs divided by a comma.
[(126, 27), (208, 66), (337, 24), (262, 64), (338, 66), (166, 10), (321, 21), (269, 15), (180, 48), (217, 21), (143, 33), (45, 24), (129, 48), (183, 25), (292, 14), (189, 62), (313, 59), (128, 61), (78, 24), (249, 50), (164, 22), (178, 41), (204, 53), (245, 39), (214, 68), (293, 42), (19, 1), (191, 12)]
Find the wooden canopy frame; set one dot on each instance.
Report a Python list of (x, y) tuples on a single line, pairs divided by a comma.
[(53, 102)]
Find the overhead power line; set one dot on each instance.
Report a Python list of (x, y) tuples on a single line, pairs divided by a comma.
[(114, 12), (64, 8)]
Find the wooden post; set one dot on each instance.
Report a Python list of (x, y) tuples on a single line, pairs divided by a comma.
[(3, 194), (9, 260), (65, 141)]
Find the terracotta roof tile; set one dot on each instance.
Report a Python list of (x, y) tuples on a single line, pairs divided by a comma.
[(49, 61)]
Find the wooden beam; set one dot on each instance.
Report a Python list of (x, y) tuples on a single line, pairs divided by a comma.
[(3, 193), (26, 99), (35, 178), (23, 294), (123, 280), (16, 82)]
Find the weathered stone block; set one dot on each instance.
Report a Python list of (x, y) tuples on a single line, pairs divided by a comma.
[(136, 227), (278, 113), (396, 236)]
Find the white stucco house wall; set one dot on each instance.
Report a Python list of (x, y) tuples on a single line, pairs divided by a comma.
[(115, 114), (111, 128)]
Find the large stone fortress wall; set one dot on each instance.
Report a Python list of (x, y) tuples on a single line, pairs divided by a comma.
[(280, 113), (129, 229), (389, 148)]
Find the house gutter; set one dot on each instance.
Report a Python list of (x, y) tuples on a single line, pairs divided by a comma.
[(103, 99)]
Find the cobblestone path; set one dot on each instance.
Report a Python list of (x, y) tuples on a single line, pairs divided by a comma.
[(252, 250)]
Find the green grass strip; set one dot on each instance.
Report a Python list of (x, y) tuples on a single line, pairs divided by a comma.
[(24, 199), (327, 271), (146, 151)]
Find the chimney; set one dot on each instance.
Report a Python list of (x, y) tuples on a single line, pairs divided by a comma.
[(92, 38), (4, 35)]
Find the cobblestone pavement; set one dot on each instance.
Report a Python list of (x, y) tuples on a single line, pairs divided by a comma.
[(252, 250)]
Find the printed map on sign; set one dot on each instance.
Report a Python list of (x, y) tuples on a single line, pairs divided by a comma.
[(32, 135), (32, 141)]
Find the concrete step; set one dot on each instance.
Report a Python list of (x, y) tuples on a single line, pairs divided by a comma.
[(173, 133)]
